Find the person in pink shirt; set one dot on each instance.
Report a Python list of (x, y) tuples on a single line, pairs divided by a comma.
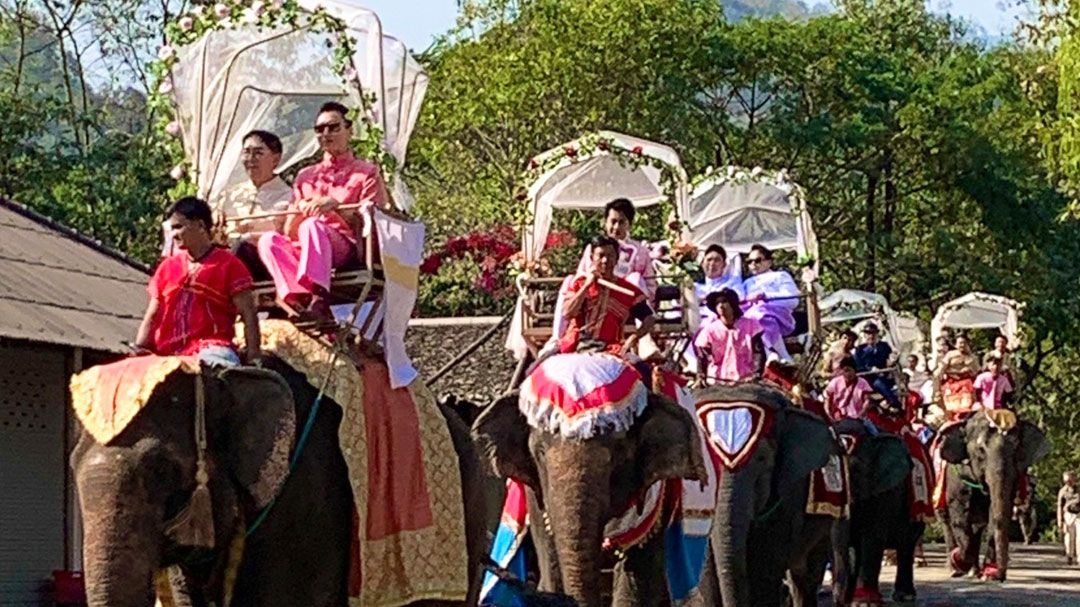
[(635, 260), (847, 395), (730, 347), (320, 237), (993, 390)]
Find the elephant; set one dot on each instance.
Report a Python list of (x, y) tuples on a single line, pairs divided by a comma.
[(988, 455), (760, 516), (298, 555), (575, 486), (881, 514)]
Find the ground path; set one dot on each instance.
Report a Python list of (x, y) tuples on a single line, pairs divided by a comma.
[(1037, 577)]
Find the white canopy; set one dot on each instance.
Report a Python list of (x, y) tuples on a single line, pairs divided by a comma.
[(591, 180), (979, 311), (900, 330), (737, 208), (232, 81)]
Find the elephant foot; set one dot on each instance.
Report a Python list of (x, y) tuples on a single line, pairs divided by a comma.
[(958, 564), (992, 573), (867, 597), (904, 598)]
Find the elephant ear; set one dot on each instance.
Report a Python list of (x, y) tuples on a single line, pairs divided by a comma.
[(890, 462), (952, 441), (805, 443), (502, 436), (668, 445), (1033, 444), (261, 424)]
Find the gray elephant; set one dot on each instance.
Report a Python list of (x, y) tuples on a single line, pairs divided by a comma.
[(761, 511), (988, 455), (575, 486), (299, 555)]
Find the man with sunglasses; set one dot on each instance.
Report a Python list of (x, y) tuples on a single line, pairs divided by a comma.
[(771, 298), (320, 237)]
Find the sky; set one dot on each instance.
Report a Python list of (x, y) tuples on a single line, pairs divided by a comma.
[(417, 22)]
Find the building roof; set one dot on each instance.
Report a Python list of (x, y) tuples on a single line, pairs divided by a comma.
[(480, 378), (60, 287)]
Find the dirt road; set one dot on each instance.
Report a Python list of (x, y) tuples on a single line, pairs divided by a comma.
[(1037, 577)]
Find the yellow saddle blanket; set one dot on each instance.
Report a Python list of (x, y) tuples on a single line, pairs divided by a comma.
[(106, 398)]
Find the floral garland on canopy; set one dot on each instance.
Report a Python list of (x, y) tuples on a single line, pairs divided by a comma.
[(234, 14), (779, 179), (587, 147)]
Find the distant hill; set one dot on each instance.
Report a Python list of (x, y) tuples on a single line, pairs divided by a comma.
[(793, 9)]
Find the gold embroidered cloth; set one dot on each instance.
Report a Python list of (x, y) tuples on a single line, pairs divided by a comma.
[(106, 398), (427, 559)]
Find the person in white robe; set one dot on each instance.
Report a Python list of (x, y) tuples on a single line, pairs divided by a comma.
[(770, 297), (720, 273)]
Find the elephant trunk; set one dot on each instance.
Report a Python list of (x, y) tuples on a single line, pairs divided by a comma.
[(736, 500), (1002, 485), (578, 503), (123, 527)]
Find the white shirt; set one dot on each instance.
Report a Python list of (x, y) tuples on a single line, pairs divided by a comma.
[(245, 199), (777, 286)]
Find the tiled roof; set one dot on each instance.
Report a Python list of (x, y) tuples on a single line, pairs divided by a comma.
[(59, 287)]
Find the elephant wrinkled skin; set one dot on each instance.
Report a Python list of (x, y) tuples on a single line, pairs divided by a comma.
[(576, 486), (299, 555)]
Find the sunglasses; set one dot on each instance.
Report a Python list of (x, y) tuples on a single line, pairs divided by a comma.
[(755, 260), (329, 127)]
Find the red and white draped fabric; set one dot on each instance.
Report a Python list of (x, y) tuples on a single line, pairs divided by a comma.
[(581, 395), (733, 430)]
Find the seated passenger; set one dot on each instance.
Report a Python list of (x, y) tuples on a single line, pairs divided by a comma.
[(956, 378), (771, 298), (1002, 353), (319, 238), (264, 193), (719, 275), (597, 313), (872, 359), (993, 390), (196, 294), (635, 260), (847, 394), (729, 348), (838, 351)]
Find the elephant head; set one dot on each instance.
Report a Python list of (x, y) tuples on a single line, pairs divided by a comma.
[(878, 463), (998, 448), (580, 484), (762, 493), (133, 486)]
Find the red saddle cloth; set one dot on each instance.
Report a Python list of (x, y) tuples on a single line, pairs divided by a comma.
[(830, 489)]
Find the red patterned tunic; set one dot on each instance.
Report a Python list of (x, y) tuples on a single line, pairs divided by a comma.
[(604, 314), (195, 301)]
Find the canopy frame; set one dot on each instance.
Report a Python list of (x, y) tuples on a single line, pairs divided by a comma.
[(1000, 313), (383, 81), (633, 154), (704, 214)]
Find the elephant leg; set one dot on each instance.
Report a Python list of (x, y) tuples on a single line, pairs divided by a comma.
[(640, 578), (840, 535), (908, 536), (947, 531), (546, 559), (807, 564)]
